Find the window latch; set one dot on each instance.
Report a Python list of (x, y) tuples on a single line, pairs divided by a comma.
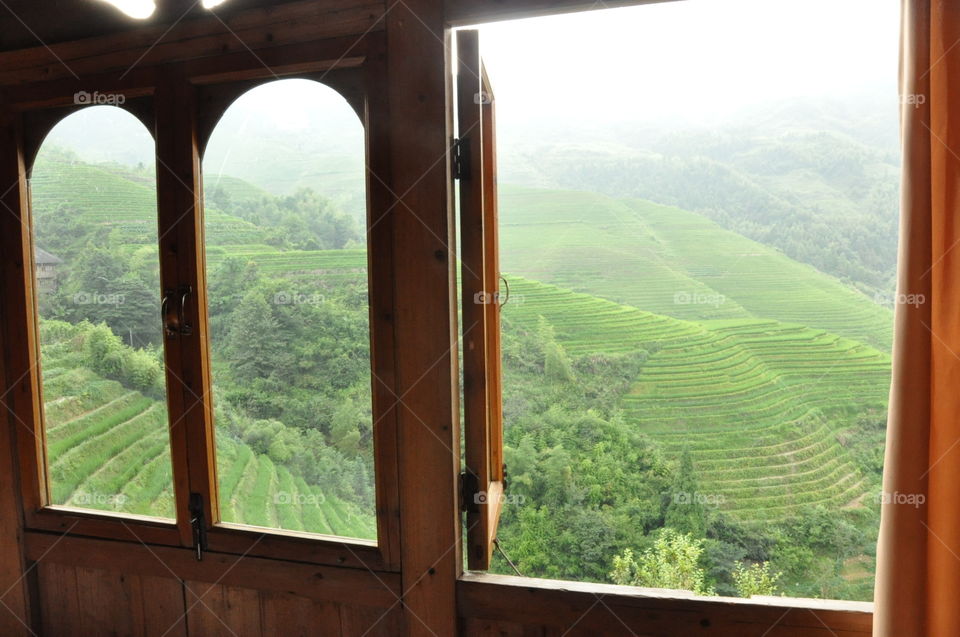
[(470, 498), (199, 525), (461, 158), (179, 327)]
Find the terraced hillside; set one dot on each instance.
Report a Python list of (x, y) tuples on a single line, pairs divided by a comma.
[(124, 200), (673, 262), (108, 449), (752, 356), (750, 399), (746, 396)]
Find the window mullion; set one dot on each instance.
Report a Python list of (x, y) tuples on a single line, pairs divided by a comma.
[(179, 200)]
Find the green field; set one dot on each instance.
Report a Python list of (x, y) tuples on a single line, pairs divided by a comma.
[(747, 397), (673, 262), (108, 448)]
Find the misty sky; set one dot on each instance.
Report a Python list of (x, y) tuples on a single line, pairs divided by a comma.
[(692, 58), (667, 65)]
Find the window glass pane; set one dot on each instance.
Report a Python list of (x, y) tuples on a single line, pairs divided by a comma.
[(289, 326), (701, 265), (93, 192)]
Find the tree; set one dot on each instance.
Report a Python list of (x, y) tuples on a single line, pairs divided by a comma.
[(673, 562), (685, 511), (755, 579), (345, 428), (251, 348)]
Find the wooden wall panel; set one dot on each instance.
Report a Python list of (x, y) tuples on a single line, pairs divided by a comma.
[(293, 616), (215, 610), (77, 600), (91, 602), (59, 602), (366, 621), (14, 613), (489, 628), (502, 605)]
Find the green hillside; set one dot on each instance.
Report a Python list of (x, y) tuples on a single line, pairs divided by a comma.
[(639, 339), (123, 200), (755, 401), (108, 448), (673, 262)]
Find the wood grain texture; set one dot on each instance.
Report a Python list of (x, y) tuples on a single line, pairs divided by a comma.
[(15, 618), (154, 45), (476, 290), (87, 601), (215, 609), (425, 314), (322, 583), (186, 358), (488, 628), (380, 264), (298, 616), (578, 609), (371, 622)]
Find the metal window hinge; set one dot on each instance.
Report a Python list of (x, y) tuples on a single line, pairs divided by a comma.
[(469, 492), (461, 158), (199, 525)]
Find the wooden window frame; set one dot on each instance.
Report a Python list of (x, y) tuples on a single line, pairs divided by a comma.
[(560, 604), (483, 476), (181, 103)]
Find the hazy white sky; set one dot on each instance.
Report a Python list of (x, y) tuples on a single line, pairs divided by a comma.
[(691, 57), (671, 63)]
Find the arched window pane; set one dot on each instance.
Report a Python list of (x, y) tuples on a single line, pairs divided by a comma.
[(289, 313), (93, 197)]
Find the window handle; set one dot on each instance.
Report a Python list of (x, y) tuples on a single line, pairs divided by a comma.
[(198, 524), (169, 328), (507, 286), (185, 328)]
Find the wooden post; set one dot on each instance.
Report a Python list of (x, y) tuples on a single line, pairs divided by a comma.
[(16, 392), (182, 272), (425, 314)]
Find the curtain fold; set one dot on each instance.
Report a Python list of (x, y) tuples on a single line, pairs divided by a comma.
[(918, 554)]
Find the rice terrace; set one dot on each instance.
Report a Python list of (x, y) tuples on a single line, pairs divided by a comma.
[(756, 383)]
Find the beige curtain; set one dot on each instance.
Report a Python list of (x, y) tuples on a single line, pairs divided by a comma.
[(918, 557)]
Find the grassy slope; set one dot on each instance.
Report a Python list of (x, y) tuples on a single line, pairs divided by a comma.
[(673, 262), (106, 441), (745, 370), (748, 397), (125, 201)]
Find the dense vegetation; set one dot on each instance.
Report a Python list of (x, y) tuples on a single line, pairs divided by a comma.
[(684, 406)]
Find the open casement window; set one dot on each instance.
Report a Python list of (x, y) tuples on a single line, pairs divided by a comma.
[(109, 454), (476, 168)]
